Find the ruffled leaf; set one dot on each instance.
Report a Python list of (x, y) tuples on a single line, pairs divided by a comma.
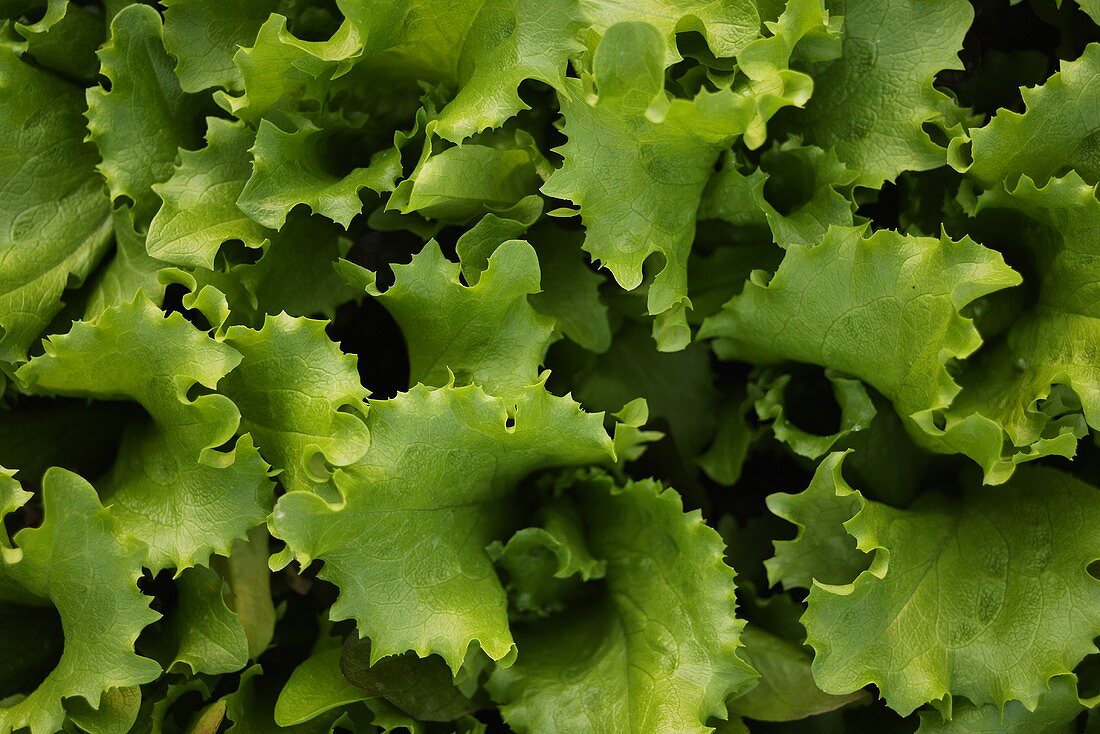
[(291, 169), (886, 309), (1058, 130), (1010, 409), (145, 117), (870, 104), (199, 211), (662, 629), (450, 458), (203, 36), (727, 26), (488, 333), (636, 165), (985, 595), (169, 487), (292, 387), (822, 551), (93, 586)]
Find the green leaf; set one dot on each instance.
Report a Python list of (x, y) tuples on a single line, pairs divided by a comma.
[(199, 211), (786, 691), (167, 463), (300, 398), (1010, 410), (894, 324), (117, 712), (636, 165), (423, 688), (284, 76), (804, 181), (857, 411), (677, 387), (869, 105), (295, 274), (246, 572), (545, 564), (55, 213), (1060, 129), (488, 334), (164, 509), (207, 636), (1091, 8), (822, 551), (12, 497), (291, 169), (65, 39), (570, 289), (129, 271), (724, 460), (1056, 709), (984, 595), (315, 687), (203, 36), (805, 33), (726, 25), (476, 244), (451, 458), (508, 42), (251, 709), (145, 117), (478, 50), (93, 586), (662, 629), (465, 181)]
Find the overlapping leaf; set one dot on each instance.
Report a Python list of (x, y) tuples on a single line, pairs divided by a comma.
[(1009, 410), (656, 650), (457, 490), (93, 588), (985, 595), (885, 308), (170, 487), (870, 105), (55, 214)]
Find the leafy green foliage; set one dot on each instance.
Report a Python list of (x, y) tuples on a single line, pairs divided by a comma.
[(549, 366)]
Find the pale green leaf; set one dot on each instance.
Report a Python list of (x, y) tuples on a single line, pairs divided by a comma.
[(93, 586), (145, 117), (822, 551), (1060, 128), (985, 594), (886, 309), (199, 211), (170, 487), (1010, 410), (207, 636), (316, 687), (869, 105), (638, 173), (292, 168), (203, 36), (300, 398), (451, 459), (488, 333), (655, 650)]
